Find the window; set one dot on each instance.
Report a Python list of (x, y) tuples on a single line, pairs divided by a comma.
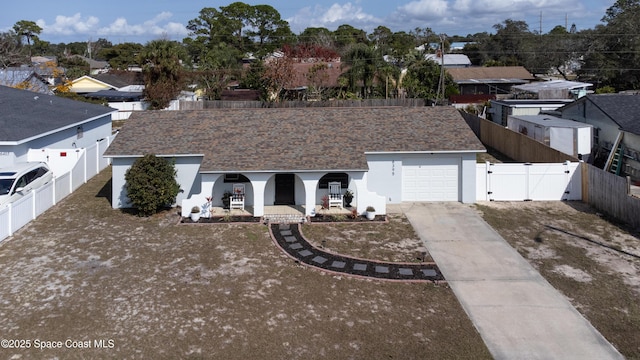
[(341, 177), (80, 132), (235, 178)]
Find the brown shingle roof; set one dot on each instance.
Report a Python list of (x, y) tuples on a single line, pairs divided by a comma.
[(234, 140), (329, 76), (492, 72)]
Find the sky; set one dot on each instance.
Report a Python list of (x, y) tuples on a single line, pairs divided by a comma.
[(140, 21)]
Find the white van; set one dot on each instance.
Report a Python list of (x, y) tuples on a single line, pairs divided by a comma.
[(19, 179)]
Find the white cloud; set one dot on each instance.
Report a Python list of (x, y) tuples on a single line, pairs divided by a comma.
[(349, 13), (345, 13), (88, 26), (69, 25), (426, 9), (156, 27), (470, 16)]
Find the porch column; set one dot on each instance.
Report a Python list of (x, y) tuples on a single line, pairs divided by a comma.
[(259, 184), (310, 181), (207, 181)]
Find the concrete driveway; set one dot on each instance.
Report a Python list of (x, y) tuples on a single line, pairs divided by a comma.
[(516, 311)]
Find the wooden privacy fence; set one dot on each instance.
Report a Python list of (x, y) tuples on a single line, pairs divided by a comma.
[(610, 194), (516, 146)]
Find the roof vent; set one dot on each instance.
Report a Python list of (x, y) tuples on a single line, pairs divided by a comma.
[(36, 97)]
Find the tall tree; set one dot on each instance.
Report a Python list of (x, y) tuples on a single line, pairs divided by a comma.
[(121, 56), (423, 78), (217, 69), (509, 43), (27, 29), (236, 17), (268, 29), (361, 62), (614, 53), (317, 35), (346, 35), (163, 72), (277, 75), (10, 52)]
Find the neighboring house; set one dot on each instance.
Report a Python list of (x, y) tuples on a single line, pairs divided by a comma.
[(450, 60), (87, 84), (37, 121), (125, 81), (611, 115), (287, 156), (312, 87), (95, 66), (554, 89), (500, 110), (26, 78), (496, 80)]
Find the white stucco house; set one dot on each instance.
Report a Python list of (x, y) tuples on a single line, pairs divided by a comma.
[(287, 156), (31, 120)]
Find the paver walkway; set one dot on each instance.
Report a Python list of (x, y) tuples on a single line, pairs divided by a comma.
[(291, 241)]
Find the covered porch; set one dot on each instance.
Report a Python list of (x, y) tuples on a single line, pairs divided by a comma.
[(271, 211), (269, 194)]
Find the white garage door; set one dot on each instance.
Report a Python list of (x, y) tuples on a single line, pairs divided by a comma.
[(431, 180)]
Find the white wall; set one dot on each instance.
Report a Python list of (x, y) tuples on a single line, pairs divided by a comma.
[(385, 174), (187, 168)]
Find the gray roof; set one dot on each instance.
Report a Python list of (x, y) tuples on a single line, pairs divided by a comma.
[(15, 76), (25, 114), (623, 109), (120, 79), (305, 139), (536, 87)]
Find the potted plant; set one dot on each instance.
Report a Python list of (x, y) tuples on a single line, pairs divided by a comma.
[(371, 212), (348, 197), (195, 214), (325, 202)]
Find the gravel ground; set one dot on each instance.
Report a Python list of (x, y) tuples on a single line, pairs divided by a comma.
[(86, 281)]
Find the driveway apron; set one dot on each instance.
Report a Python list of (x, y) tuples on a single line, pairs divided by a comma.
[(516, 311)]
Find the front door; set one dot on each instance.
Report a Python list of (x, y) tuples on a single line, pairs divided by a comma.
[(285, 189)]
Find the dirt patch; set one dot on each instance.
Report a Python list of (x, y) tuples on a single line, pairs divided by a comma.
[(154, 288), (593, 262), (392, 241)]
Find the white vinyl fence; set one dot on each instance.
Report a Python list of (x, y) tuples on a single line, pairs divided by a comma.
[(529, 182), (16, 215)]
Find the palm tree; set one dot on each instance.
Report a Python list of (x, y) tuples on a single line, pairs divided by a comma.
[(361, 62), (162, 69)]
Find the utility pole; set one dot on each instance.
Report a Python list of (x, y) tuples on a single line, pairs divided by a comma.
[(540, 33), (441, 90)]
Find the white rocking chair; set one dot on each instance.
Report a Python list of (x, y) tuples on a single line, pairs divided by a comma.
[(335, 194), (236, 201)]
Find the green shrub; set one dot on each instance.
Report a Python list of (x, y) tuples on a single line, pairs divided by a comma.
[(151, 184)]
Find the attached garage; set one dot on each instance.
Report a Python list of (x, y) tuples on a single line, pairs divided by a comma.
[(431, 179)]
